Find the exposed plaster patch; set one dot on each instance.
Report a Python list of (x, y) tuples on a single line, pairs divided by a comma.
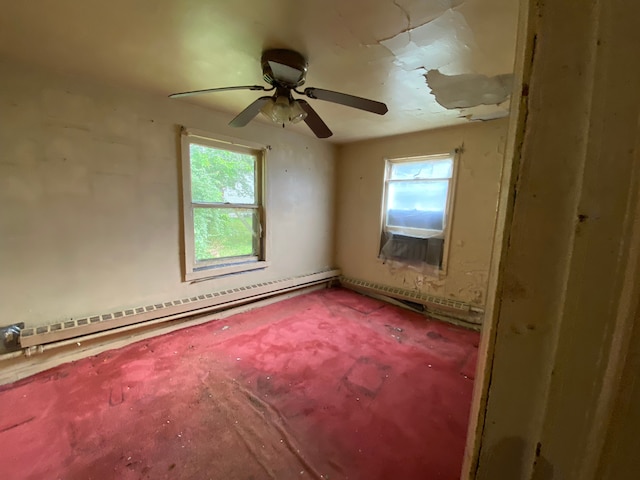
[(475, 287), (476, 294), (469, 89), (442, 41), (434, 285)]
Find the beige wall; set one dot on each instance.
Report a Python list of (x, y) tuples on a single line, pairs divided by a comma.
[(360, 188), (89, 197)]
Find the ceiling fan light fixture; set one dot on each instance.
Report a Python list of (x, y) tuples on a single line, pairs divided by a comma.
[(283, 111), (297, 114), (277, 110)]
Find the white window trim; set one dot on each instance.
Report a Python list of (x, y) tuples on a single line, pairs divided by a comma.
[(219, 267), (449, 207)]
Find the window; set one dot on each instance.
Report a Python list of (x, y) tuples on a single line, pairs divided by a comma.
[(417, 197), (223, 214)]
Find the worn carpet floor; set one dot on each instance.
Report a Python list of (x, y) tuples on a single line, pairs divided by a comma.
[(328, 385)]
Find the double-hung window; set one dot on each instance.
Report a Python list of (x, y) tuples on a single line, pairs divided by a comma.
[(418, 194), (222, 206)]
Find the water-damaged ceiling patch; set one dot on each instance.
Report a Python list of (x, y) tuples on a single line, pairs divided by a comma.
[(444, 41), (469, 89)]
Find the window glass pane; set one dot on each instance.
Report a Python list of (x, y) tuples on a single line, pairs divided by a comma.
[(224, 232), (422, 169), (222, 176), (419, 204)]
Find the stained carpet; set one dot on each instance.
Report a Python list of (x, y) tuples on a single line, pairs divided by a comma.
[(328, 385)]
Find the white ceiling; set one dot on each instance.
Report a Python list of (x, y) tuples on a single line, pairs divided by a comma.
[(378, 49)]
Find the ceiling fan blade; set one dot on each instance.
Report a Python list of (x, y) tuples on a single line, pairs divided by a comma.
[(348, 100), (249, 113), (314, 122), (223, 89)]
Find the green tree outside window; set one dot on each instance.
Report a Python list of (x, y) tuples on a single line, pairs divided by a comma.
[(222, 179)]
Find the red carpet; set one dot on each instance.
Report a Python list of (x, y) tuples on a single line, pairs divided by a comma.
[(329, 385)]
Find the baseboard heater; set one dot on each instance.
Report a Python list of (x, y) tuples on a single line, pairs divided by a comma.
[(34, 336), (438, 306)]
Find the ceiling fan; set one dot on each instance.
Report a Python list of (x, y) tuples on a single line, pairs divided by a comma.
[(285, 70)]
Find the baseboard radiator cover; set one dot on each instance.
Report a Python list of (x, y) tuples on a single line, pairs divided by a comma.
[(72, 328), (439, 307)]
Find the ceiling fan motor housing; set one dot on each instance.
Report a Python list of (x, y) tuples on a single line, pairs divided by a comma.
[(284, 68)]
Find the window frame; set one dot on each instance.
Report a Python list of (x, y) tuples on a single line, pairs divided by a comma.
[(224, 266), (448, 215)]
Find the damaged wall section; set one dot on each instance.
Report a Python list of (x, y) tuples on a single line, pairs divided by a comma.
[(361, 170)]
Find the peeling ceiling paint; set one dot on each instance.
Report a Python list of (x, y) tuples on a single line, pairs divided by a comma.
[(419, 13), (444, 41), (469, 90), (378, 49)]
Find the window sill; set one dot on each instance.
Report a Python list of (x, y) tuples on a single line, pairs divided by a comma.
[(213, 272)]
